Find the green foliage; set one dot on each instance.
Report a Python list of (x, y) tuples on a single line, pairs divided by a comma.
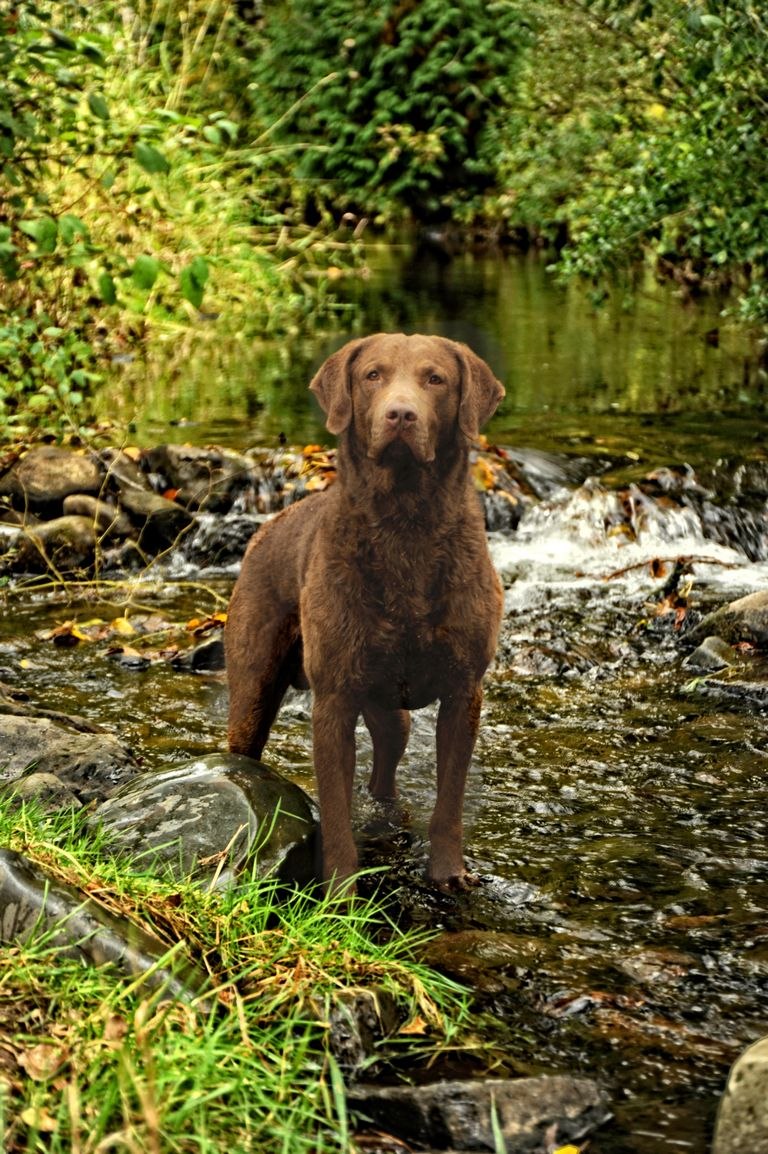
[(125, 200), (644, 130), (391, 107)]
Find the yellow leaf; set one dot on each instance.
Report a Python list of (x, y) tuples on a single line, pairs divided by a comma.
[(38, 1119), (123, 626), (567, 1150), (417, 1025), (483, 474), (316, 484)]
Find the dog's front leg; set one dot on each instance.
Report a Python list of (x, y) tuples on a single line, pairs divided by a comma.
[(457, 723), (334, 716)]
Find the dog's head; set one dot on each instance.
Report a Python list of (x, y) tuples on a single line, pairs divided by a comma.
[(404, 395)]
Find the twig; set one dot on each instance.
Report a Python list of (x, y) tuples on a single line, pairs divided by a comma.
[(684, 560)]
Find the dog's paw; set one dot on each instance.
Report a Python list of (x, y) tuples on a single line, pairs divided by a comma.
[(459, 881)]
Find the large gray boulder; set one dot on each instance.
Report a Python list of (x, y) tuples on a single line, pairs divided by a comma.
[(206, 478), (211, 816)]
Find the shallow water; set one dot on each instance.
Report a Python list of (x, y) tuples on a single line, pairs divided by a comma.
[(617, 806)]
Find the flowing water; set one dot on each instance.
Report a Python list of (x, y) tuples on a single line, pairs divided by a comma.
[(617, 804)]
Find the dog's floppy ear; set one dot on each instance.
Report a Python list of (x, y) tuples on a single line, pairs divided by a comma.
[(480, 391), (331, 386)]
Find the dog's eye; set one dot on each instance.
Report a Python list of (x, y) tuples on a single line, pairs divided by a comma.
[(435, 379), (374, 375)]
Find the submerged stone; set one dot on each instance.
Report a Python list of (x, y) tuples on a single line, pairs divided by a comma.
[(211, 816)]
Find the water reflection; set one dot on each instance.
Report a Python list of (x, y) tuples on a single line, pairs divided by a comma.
[(643, 369)]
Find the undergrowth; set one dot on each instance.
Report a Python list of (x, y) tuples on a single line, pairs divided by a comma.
[(91, 1060)]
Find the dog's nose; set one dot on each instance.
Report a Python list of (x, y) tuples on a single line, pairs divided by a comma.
[(400, 415)]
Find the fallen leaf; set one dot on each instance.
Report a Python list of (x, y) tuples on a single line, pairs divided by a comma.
[(417, 1025), (206, 624), (317, 483), (123, 626), (39, 1119), (41, 1062), (483, 475), (115, 1030)]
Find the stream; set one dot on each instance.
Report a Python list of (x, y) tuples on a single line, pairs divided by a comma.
[(616, 807)]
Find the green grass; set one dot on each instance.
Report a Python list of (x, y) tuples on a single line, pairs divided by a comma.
[(92, 1061)]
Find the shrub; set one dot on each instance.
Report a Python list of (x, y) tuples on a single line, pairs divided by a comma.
[(392, 107)]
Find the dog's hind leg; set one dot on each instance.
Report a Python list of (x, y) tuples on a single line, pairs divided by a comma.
[(389, 730), (263, 659)]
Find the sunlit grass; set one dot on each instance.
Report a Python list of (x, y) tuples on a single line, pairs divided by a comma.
[(92, 1060)]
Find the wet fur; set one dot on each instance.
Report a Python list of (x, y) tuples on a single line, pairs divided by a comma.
[(378, 593)]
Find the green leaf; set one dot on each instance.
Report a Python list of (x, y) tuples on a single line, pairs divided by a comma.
[(70, 227), (150, 159), (107, 289), (61, 40), (43, 231), (98, 105), (193, 279), (146, 270), (212, 134)]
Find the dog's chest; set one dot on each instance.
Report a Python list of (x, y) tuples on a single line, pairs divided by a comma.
[(408, 652)]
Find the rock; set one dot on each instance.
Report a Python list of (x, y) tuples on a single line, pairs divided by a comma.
[(753, 692), (222, 541), (742, 1120), (357, 1023), (742, 620), (46, 475), (122, 473), (33, 905), (713, 653), (67, 544), (161, 522), (211, 816), (535, 1115), (105, 517), (207, 657), (205, 478), (91, 764), (484, 959), (48, 789)]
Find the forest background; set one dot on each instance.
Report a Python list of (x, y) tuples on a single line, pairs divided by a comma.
[(167, 161)]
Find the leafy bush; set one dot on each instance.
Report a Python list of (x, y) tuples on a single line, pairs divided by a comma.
[(395, 106), (126, 200), (643, 130)]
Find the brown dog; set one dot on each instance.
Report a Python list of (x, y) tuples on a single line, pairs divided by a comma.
[(379, 593)]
